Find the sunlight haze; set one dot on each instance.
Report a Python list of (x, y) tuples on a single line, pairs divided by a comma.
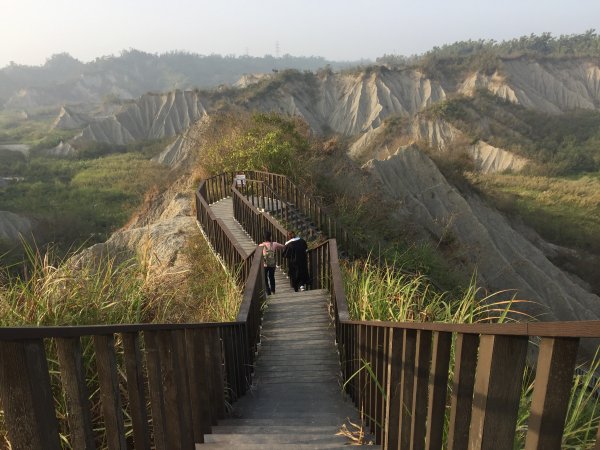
[(33, 30)]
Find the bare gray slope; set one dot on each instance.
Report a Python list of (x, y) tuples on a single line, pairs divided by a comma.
[(503, 257), (438, 134), (69, 119), (355, 102), (351, 103), (552, 86), (153, 116)]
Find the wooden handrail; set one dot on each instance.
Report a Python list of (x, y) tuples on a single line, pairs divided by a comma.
[(411, 361), (584, 329), (309, 207), (192, 370)]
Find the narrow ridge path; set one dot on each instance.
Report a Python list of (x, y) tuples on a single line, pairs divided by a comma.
[(296, 400)]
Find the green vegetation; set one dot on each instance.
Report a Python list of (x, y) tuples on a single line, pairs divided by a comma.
[(110, 289), (381, 291), (34, 131), (557, 144), (81, 200), (65, 293), (258, 141), (564, 211), (139, 72), (212, 291), (454, 60)]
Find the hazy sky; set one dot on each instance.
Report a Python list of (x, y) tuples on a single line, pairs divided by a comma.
[(32, 30)]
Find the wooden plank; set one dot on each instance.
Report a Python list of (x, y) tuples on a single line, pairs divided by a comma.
[(407, 382), (197, 361), (110, 396), (30, 333), (26, 396), (215, 351), (370, 401), (465, 364), (244, 352), (240, 358), (230, 365), (421, 383), (168, 360), (552, 387), (72, 375), (155, 389), (438, 386), (180, 366), (497, 392), (393, 385), (362, 379), (351, 386), (135, 391), (380, 352)]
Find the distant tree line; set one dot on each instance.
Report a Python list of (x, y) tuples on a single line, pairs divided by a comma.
[(487, 55), (138, 72)]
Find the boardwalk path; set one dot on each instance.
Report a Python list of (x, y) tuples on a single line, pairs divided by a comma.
[(296, 400)]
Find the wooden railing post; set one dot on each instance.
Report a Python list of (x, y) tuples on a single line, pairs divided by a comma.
[(419, 410), (72, 374), (135, 390), (26, 396), (497, 391), (438, 385), (393, 389), (553, 380), (465, 364), (407, 384), (199, 383), (155, 388), (381, 373), (106, 366)]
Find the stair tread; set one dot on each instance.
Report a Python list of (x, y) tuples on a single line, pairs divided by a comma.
[(296, 382)]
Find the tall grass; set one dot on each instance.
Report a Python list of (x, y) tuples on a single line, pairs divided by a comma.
[(565, 211), (50, 292), (383, 292), (213, 289), (110, 289), (583, 413)]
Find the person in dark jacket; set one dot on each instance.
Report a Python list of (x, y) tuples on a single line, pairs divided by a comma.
[(295, 253)]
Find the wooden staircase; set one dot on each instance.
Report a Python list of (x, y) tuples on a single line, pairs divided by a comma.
[(296, 398)]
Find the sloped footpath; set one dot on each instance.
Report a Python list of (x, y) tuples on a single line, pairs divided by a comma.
[(296, 401)]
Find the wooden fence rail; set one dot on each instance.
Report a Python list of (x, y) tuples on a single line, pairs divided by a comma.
[(310, 207), (409, 379), (398, 375), (187, 370)]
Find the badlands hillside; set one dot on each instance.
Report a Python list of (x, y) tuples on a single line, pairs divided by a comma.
[(392, 122), (357, 102)]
